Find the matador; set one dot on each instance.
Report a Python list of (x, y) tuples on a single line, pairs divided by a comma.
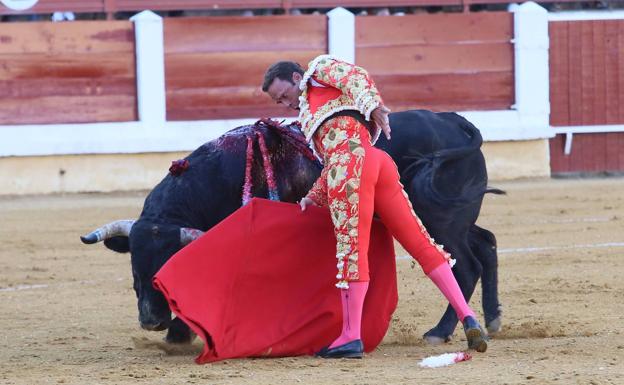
[(342, 114)]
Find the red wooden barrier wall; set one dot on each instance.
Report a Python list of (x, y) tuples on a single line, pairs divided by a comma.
[(214, 67), (587, 88), (67, 73), (111, 6), (48, 6), (439, 62)]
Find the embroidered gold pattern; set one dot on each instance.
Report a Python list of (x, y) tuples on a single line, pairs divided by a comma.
[(358, 92), (339, 185)]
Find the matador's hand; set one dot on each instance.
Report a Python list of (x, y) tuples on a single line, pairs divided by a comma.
[(379, 117), (304, 202)]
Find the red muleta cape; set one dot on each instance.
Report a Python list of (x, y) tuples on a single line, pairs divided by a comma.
[(261, 283)]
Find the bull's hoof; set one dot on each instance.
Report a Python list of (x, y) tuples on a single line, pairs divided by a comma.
[(433, 339), (178, 339), (179, 333), (494, 326)]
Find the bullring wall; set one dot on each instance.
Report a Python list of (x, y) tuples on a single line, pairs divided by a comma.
[(196, 78)]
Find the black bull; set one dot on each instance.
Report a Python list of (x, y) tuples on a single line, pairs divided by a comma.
[(441, 166)]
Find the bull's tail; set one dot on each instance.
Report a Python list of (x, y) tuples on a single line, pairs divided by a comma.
[(447, 154), (428, 166), (474, 143)]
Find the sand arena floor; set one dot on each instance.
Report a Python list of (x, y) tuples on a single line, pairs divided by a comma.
[(69, 312)]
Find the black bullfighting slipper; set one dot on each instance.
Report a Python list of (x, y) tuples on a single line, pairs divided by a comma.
[(353, 349), (477, 340)]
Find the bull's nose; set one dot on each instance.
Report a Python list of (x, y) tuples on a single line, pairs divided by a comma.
[(155, 327)]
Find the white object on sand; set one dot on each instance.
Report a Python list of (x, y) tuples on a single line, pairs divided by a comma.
[(444, 360)]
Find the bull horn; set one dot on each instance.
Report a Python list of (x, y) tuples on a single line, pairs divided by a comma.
[(188, 235), (113, 229)]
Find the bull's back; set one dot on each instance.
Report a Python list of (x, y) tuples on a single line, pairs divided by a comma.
[(418, 133), (198, 197), (440, 162)]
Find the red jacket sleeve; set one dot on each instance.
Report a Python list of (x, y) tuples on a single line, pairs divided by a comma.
[(318, 192)]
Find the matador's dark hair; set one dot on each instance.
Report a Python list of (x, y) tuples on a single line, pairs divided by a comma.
[(282, 70)]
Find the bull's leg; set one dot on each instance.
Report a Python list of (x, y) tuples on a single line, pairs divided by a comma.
[(467, 271), (179, 333), (483, 245)]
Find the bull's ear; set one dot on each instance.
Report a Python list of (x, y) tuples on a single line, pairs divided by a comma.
[(120, 244)]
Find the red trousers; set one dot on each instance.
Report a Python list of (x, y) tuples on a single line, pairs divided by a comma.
[(357, 181)]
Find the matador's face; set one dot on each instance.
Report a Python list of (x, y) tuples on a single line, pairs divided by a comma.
[(286, 92)]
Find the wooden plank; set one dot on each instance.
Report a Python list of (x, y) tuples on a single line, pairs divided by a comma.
[(75, 37), (68, 109), (225, 69), (589, 150), (34, 66), (222, 102), (587, 73), (566, 159), (433, 29), (482, 91), (420, 59), (575, 159), (599, 64), (33, 88), (593, 152), (620, 74), (559, 75), (611, 151), (558, 160), (599, 156), (236, 34), (248, 103), (227, 112), (222, 96), (611, 71), (575, 73)]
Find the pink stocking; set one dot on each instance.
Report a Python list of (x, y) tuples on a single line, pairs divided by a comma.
[(352, 304), (445, 281)]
